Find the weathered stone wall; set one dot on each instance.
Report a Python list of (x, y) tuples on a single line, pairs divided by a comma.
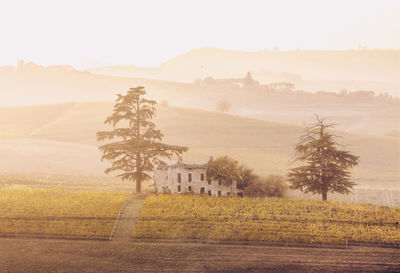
[(161, 180), (167, 180)]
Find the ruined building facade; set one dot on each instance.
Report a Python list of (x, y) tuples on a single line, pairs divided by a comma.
[(190, 178)]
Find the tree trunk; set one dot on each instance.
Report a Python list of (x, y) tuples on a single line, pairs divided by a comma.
[(138, 174), (138, 184), (138, 161), (324, 196)]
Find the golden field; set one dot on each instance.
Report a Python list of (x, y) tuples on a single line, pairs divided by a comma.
[(59, 213), (266, 220)]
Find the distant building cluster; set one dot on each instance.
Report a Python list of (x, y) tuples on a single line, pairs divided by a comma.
[(32, 67), (249, 83)]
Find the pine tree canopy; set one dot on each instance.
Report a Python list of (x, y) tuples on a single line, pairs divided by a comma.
[(326, 168), (138, 143)]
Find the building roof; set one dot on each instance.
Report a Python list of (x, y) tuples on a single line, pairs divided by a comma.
[(184, 165), (190, 166)]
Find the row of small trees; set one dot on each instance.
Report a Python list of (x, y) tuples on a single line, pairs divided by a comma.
[(139, 146)]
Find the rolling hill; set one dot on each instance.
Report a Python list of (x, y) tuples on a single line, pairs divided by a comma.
[(360, 112), (61, 139)]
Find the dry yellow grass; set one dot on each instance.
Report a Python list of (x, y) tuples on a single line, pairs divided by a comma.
[(267, 220), (60, 213)]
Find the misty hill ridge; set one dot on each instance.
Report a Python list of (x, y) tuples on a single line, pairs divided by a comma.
[(309, 69), (313, 64)]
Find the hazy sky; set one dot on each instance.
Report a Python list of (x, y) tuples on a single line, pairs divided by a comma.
[(149, 32)]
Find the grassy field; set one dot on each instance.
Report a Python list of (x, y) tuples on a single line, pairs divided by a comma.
[(22, 120), (67, 143), (360, 195), (67, 182), (59, 213), (267, 220), (363, 195)]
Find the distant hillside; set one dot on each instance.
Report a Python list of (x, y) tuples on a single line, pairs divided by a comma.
[(309, 70), (361, 111), (34, 84), (66, 142)]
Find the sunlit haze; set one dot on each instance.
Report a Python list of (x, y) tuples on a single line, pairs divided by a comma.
[(147, 33), (199, 136)]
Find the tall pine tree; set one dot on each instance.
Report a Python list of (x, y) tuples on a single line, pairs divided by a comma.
[(138, 143), (327, 168)]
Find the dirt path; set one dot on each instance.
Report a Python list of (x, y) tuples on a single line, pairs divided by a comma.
[(41, 255), (128, 218)]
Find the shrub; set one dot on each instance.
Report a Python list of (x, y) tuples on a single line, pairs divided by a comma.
[(270, 186), (223, 105)]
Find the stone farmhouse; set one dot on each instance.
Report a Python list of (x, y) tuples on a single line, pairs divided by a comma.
[(190, 178)]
